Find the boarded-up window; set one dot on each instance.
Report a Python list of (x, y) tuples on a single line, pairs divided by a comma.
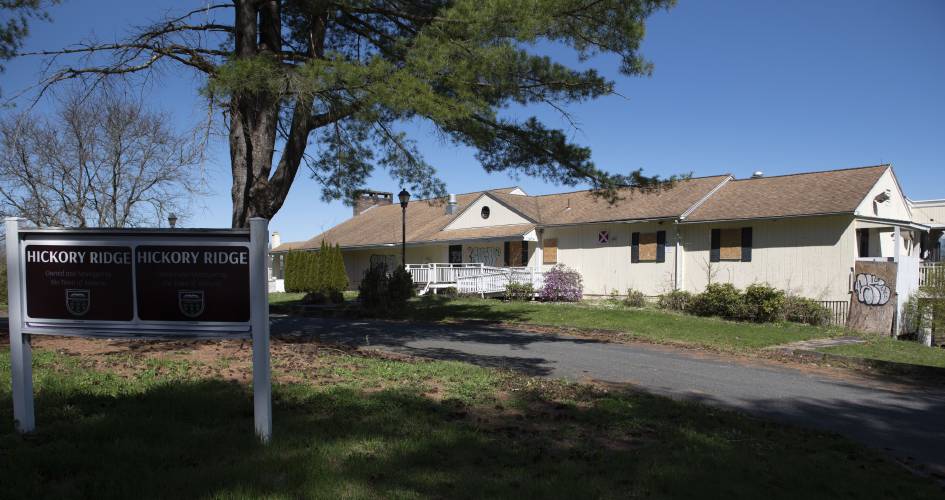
[(647, 247), (730, 244), (550, 251), (515, 253)]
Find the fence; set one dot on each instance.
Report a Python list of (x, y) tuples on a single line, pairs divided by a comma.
[(495, 279), (838, 311), (930, 272)]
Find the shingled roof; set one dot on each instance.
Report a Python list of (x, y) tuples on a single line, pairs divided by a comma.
[(812, 193), (829, 192), (381, 225)]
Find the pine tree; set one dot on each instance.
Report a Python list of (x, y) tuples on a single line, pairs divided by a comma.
[(332, 84), (340, 270)]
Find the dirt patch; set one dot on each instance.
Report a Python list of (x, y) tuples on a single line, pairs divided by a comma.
[(292, 361)]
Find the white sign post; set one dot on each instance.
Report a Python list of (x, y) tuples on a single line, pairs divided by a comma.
[(138, 284), (259, 286)]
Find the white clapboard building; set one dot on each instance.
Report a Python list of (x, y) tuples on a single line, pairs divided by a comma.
[(802, 233)]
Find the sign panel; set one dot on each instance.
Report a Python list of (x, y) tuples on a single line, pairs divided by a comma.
[(79, 282), (137, 283), (192, 283)]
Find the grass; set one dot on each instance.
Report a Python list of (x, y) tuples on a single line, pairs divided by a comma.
[(288, 298), (349, 426), (649, 324), (284, 297), (899, 351), (632, 323)]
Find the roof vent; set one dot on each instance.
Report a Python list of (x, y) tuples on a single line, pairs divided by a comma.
[(451, 205), (758, 174)]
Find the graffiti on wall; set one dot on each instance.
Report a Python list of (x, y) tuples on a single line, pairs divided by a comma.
[(485, 255), (871, 289)]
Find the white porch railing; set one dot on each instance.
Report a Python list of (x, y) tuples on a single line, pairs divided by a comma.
[(472, 278), (929, 271), (495, 279), (442, 273)]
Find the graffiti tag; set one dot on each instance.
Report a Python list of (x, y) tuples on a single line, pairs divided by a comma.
[(871, 289), (485, 255)]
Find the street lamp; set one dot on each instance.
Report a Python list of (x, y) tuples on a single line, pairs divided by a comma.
[(404, 199), (172, 219)]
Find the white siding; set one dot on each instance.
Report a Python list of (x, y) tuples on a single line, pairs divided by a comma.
[(808, 256), (607, 267), (894, 208), (499, 215), (929, 213)]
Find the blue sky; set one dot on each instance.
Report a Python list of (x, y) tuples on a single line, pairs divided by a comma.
[(738, 86)]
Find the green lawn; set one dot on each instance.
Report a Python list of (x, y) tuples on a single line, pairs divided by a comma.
[(169, 425), (285, 298), (898, 351), (649, 324)]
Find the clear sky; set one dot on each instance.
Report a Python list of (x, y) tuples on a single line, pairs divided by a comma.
[(738, 86)]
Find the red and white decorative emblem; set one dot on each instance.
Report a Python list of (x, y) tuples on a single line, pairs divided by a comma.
[(603, 236)]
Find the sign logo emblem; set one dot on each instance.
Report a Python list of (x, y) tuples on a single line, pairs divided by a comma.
[(603, 237), (190, 302), (78, 301)]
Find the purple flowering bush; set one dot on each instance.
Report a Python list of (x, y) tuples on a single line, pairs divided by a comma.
[(562, 284)]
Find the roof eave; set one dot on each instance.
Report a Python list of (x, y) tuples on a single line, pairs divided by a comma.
[(768, 217)]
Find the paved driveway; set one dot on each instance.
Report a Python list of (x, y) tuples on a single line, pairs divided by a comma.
[(909, 423)]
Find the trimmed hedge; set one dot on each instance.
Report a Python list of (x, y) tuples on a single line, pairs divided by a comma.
[(519, 291), (322, 272), (759, 302)]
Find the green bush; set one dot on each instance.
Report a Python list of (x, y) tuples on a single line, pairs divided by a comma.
[(373, 290), (519, 291), (338, 280), (314, 298), (635, 298), (400, 288), (677, 300), (380, 291), (802, 310), (763, 303), (298, 269), (323, 271), (450, 292), (719, 299)]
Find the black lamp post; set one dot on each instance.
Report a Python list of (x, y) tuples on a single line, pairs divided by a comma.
[(172, 220), (404, 199)]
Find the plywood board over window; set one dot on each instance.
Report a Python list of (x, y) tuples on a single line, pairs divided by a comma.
[(550, 251), (647, 247), (516, 253), (730, 244)]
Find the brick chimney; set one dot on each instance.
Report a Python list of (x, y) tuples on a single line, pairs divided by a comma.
[(364, 200)]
